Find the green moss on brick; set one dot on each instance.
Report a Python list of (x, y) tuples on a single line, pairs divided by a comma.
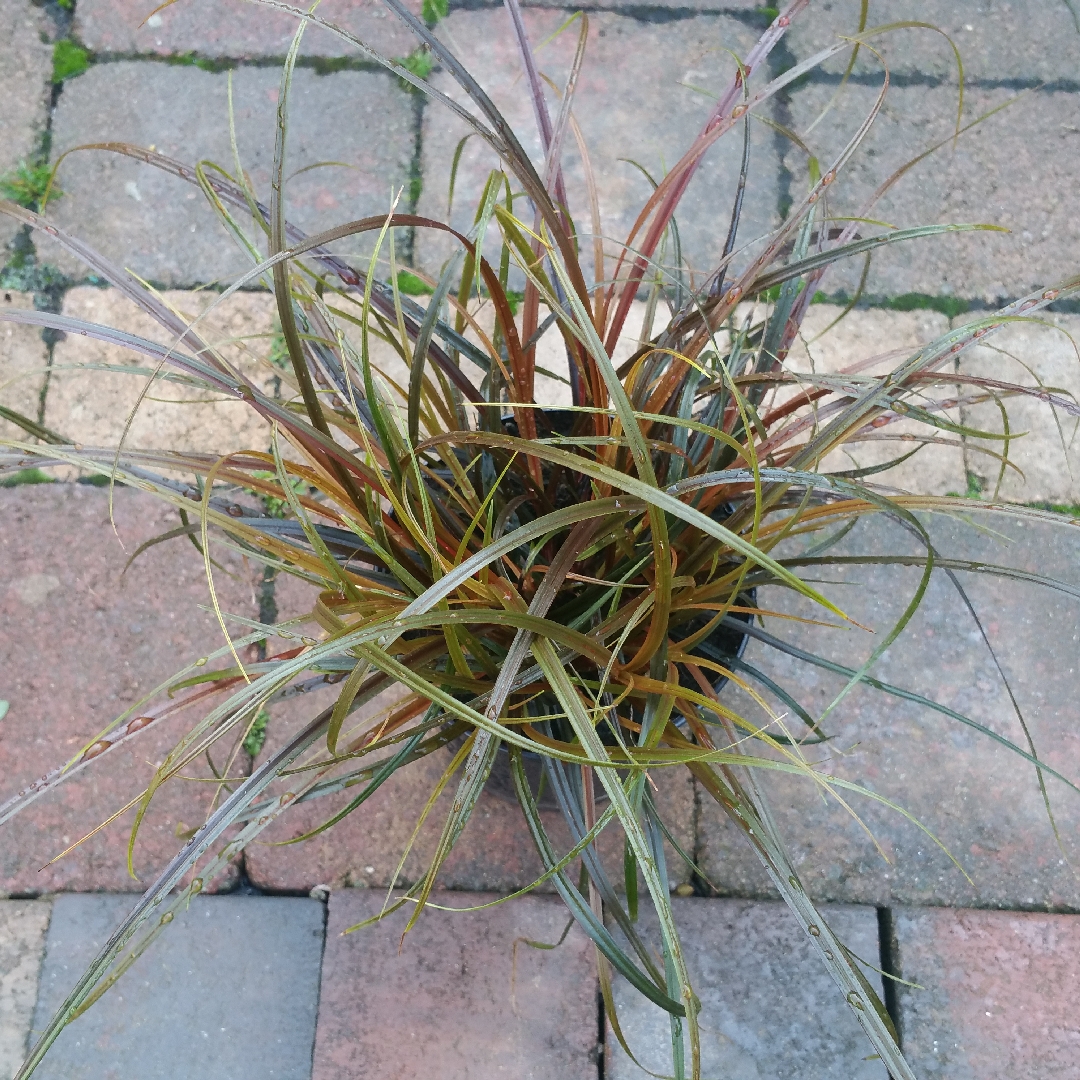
[(69, 60), (26, 476), (411, 285), (950, 306)]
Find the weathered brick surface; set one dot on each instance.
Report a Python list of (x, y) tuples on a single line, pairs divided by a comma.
[(976, 796), (22, 941), (26, 77), (161, 227), (1034, 40), (91, 406), (871, 343), (462, 996), (23, 359), (82, 643), (768, 1007), (237, 30), (996, 995), (640, 111), (1013, 170), (1047, 455), (230, 990)]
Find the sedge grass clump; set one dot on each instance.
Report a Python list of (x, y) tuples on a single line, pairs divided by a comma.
[(558, 592)]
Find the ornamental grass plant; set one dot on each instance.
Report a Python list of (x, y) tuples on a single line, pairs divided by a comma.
[(559, 591)]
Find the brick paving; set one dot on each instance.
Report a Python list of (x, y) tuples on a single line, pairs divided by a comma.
[(92, 406), (987, 994), (1017, 169), (25, 361), (1033, 42), (1010, 171), (1048, 460), (233, 30)]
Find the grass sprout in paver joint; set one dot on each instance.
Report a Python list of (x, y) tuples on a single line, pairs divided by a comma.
[(559, 591), (28, 184)]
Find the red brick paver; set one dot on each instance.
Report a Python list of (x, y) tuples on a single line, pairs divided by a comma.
[(463, 996), (80, 643), (999, 994)]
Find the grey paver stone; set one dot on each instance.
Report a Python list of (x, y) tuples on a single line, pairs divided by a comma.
[(23, 360), (996, 993), (768, 1006), (22, 942), (229, 991), (237, 30), (1048, 455), (979, 799), (1035, 40), (26, 76), (92, 406), (161, 227), (648, 112), (82, 642), (1014, 170), (873, 342), (462, 996)]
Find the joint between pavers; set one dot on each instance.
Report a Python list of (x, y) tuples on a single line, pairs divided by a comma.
[(780, 60), (644, 12), (898, 79), (416, 175), (601, 1035), (319, 981), (321, 65), (889, 953)]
